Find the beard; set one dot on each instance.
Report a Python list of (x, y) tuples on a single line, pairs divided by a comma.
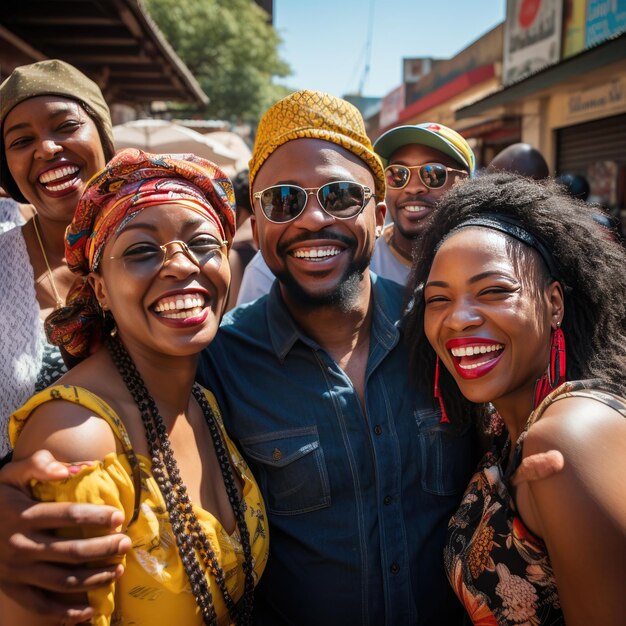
[(343, 297)]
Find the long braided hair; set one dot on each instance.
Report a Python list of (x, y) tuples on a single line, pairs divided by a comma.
[(193, 545)]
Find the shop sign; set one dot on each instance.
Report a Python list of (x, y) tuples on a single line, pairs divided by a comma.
[(605, 18), (606, 99), (532, 37), (574, 21)]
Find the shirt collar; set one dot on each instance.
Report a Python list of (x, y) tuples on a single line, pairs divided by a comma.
[(284, 331)]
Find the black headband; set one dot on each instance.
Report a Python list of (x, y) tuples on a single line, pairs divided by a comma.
[(510, 226)]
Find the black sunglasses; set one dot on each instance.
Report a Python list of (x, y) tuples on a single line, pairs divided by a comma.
[(342, 200)]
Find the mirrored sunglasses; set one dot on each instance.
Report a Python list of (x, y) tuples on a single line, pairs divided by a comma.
[(342, 200), (432, 175), (146, 258)]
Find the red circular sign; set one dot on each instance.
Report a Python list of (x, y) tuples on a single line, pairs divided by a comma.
[(528, 12)]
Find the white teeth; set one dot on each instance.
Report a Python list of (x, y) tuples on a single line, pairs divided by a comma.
[(61, 172), (414, 208), (472, 350), (472, 366), (315, 253), (62, 186), (179, 315), (178, 303)]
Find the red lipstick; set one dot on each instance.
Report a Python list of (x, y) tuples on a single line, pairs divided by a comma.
[(475, 365)]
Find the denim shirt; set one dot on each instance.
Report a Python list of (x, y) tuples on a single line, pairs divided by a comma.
[(358, 501)]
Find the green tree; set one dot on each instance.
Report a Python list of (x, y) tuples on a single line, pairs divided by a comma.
[(230, 48)]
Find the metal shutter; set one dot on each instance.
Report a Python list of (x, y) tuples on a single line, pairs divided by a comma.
[(600, 140)]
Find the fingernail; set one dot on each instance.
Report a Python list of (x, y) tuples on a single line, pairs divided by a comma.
[(74, 468), (117, 519)]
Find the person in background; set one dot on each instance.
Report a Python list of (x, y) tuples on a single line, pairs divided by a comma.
[(422, 162), (578, 187), (55, 134), (575, 184), (522, 159), (518, 309), (150, 236), (244, 247), (256, 281)]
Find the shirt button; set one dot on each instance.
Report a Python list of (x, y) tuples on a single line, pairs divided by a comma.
[(395, 568), (388, 500), (378, 430), (277, 455)]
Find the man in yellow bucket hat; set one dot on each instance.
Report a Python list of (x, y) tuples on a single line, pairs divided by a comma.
[(314, 386)]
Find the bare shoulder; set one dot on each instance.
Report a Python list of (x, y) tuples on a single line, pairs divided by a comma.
[(590, 436), (580, 511), (577, 426), (71, 432)]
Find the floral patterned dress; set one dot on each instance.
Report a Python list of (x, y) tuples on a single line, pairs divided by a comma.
[(500, 571)]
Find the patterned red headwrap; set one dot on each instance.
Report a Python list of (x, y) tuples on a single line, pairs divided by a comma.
[(132, 181)]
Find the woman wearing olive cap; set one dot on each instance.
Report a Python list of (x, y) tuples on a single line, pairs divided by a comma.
[(55, 134)]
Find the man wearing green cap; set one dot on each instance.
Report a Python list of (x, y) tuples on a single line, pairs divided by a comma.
[(421, 163)]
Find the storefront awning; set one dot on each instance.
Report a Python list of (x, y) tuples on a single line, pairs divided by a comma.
[(113, 41), (586, 61)]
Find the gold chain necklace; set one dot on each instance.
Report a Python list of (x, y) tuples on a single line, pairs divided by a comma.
[(55, 292)]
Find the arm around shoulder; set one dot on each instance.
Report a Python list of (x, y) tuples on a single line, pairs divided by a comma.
[(580, 512)]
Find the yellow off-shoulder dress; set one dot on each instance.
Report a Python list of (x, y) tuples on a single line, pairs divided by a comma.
[(154, 588)]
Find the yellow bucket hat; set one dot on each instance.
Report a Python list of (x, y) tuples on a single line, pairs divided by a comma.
[(315, 115)]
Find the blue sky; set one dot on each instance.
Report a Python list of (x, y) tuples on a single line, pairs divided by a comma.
[(325, 41)]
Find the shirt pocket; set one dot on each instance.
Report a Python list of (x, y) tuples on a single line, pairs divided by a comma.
[(289, 465), (445, 454)]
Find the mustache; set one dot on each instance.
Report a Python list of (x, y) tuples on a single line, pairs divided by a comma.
[(322, 234), (417, 199)]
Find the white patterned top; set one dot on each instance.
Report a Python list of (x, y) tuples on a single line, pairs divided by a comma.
[(10, 215), (27, 362)]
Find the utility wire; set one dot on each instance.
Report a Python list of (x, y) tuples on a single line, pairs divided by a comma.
[(368, 49)]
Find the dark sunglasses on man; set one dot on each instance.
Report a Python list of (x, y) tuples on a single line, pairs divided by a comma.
[(341, 199), (432, 175)]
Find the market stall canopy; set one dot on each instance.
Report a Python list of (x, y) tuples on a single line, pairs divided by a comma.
[(161, 136), (115, 42), (236, 144)]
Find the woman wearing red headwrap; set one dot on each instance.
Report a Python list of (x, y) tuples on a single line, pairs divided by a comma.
[(150, 239)]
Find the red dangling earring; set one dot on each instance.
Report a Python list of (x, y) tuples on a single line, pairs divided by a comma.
[(555, 375), (437, 393)]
